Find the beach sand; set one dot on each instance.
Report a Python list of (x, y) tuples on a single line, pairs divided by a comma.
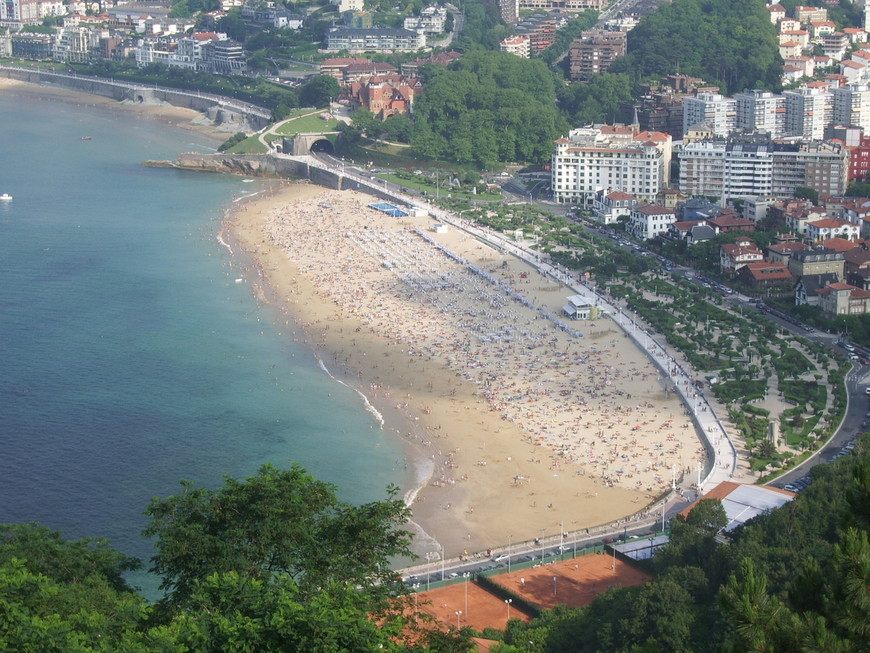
[(529, 429)]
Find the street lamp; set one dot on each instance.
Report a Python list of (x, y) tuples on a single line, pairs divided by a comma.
[(554, 586), (508, 602), (509, 553), (458, 617), (466, 575), (561, 540)]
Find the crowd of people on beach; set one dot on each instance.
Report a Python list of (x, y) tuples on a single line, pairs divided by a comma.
[(594, 411)]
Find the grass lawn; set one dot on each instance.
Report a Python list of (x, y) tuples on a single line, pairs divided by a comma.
[(308, 125)]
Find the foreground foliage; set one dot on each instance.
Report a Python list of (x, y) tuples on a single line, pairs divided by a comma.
[(273, 563)]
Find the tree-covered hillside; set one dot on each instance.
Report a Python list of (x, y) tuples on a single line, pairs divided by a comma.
[(488, 107), (730, 43)]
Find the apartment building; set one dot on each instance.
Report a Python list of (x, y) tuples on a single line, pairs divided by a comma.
[(590, 159), (516, 45), (594, 52), (756, 167), (808, 110), (375, 39), (718, 111), (851, 105), (762, 111)]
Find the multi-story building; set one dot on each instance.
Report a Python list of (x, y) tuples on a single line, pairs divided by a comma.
[(594, 52), (757, 167), (761, 111), (811, 262), (509, 10), (75, 44), (516, 45), (431, 20), (835, 45), (647, 221), (589, 160), (28, 45), (384, 95), (808, 110), (851, 105), (718, 111), (224, 57), (807, 15), (819, 230), (608, 207), (540, 30), (819, 165), (375, 39)]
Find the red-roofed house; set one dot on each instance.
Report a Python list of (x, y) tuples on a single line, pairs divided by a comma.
[(843, 299), (838, 244), (820, 230), (855, 34), (385, 95), (777, 13), (729, 221), (764, 274), (734, 256)]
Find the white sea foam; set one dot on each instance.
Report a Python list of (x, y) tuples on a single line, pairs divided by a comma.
[(220, 239), (368, 405)]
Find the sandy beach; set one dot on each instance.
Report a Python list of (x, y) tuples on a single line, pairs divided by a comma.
[(528, 429)]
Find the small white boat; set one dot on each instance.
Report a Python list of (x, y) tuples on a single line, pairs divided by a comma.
[(6, 196)]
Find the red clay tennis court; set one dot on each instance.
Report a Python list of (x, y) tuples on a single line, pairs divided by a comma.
[(577, 582)]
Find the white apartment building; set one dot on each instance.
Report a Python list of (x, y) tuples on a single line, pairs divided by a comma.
[(719, 111), (726, 169), (649, 220), (761, 111), (588, 161), (431, 20), (851, 105), (807, 111), (748, 168), (375, 39), (520, 46)]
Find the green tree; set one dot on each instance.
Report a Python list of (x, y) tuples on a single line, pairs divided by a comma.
[(279, 521), (319, 91)]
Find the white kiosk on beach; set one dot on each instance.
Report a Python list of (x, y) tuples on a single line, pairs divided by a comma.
[(578, 308)]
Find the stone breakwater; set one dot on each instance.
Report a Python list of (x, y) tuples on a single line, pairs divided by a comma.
[(252, 165)]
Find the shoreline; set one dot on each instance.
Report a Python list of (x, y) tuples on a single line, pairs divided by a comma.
[(483, 491)]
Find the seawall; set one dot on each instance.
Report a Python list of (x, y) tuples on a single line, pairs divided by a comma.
[(237, 115)]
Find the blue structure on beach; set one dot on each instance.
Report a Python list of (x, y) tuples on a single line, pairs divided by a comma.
[(389, 209)]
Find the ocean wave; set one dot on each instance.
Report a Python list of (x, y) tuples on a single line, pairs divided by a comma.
[(368, 405), (220, 239)]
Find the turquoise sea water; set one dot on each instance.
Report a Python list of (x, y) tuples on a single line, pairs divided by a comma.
[(129, 356)]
